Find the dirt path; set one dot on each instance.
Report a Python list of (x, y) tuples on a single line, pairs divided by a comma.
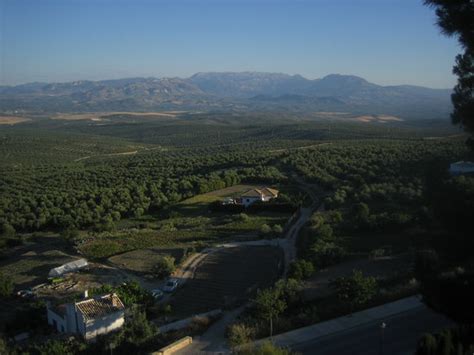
[(133, 152), (213, 341), (289, 244), (299, 148)]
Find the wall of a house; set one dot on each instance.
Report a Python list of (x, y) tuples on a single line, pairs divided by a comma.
[(104, 325), (57, 321), (247, 201)]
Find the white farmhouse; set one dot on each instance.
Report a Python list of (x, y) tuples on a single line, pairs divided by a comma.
[(264, 194), (461, 167), (90, 317)]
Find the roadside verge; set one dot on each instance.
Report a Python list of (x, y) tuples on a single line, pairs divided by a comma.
[(330, 327)]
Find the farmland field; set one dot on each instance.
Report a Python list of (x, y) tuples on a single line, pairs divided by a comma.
[(142, 261), (125, 191), (104, 116), (12, 120), (29, 264), (226, 277)]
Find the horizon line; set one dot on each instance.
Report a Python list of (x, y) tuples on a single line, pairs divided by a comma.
[(216, 72)]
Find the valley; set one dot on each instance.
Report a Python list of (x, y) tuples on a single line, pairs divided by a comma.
[(135, 193)]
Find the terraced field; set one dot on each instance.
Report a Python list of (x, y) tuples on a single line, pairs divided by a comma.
[(226, 277)]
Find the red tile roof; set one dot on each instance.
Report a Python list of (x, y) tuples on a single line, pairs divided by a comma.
[(99, 307), (266, 191)]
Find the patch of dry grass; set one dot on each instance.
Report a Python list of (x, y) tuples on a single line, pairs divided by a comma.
[(12, 120)]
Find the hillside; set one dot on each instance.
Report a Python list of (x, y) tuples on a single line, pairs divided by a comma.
[(245, 91)]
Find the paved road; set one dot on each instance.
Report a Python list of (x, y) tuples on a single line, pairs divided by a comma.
[(400, 336)]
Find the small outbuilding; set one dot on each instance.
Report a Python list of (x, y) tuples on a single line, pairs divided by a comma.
[(69, 267)]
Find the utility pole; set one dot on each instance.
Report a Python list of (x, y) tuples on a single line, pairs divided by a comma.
[(382, 335)]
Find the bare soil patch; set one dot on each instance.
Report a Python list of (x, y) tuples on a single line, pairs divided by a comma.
[(143, 261), (12, 120), (377, 118), (105, 116)]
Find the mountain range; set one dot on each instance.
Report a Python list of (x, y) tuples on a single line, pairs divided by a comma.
[(229, 91)]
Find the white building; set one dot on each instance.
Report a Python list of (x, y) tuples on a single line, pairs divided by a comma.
[(265, 194), (90, 317), (461, 167), (69, 267)]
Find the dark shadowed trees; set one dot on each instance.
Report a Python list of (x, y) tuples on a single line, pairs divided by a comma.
[(356, 289), (455, 17)]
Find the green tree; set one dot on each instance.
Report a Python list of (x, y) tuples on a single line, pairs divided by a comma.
[(138, 329), (8, 230), (355, 289), (265, 230), (244, 217), (4, 349), (325, 232), (164, 267), (324, 253), (361, 214), (277, 229), (269, 305), (455, 19), (446, 342), (427, 345), (6, 285), (69, 234), (301, 269), (289, 290)]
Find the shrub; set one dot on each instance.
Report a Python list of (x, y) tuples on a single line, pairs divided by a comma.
[(243, 217), (240, 334), (53, 347), (301, 269), (265, 230), (356, 289), (326, 253), (69, 234), (164, 267), (6, 285), (267, 348), (427, 345), (138, 329), (277, 229)]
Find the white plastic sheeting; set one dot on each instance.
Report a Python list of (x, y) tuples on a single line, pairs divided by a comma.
[(69, 267)]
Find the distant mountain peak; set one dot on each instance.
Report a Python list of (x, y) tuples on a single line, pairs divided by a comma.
[(345, 78), (229, 90)]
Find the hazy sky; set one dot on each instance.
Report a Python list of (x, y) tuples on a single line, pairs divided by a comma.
[(385, 41)]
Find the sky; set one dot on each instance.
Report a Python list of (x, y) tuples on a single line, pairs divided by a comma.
[(387, 42)]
